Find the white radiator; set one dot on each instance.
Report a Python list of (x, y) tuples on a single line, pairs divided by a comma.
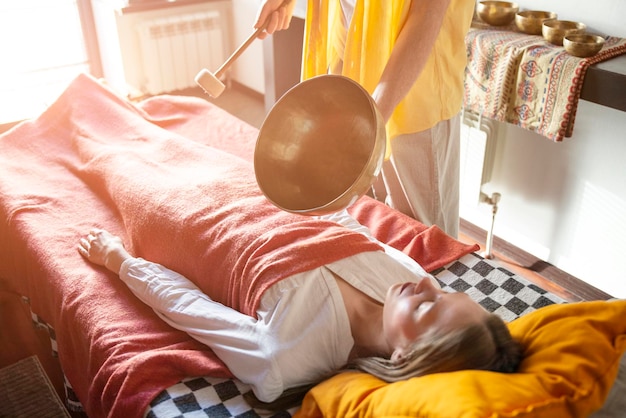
[(175, 48), (478, 149)]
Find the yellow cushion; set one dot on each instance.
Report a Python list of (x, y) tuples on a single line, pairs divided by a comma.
[(571, 359)]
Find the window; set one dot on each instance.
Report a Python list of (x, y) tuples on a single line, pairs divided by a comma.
[(42, 50)]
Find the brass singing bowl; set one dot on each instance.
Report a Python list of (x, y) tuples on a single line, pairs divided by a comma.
[(320, 147), (497, 13), (531, 21), (555, 30), (583, 45)]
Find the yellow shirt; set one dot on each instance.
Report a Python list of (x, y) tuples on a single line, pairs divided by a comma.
[(437, 94)]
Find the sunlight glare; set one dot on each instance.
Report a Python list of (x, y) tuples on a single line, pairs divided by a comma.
[(45, 52)]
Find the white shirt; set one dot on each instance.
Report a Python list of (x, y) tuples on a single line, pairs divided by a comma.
[(301, 333)]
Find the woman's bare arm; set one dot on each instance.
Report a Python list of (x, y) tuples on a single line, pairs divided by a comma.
[(410, 53)]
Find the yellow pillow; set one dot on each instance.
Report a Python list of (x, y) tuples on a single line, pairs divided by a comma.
[(571, 359)]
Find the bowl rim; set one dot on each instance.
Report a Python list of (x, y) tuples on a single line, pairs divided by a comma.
[(509, 4), (548, 23), (505, 6), (598, 39), (525, 14)]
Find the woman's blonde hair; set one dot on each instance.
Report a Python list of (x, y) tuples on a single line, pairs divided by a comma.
[(484, 346)]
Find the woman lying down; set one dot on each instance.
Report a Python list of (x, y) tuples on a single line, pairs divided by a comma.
[(377, 312)]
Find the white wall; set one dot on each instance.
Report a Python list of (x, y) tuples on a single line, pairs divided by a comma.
[(566, 202), (603, 16), (248, 68)]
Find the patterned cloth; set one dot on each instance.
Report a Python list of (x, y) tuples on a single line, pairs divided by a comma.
[(497, 289), (526, 81)]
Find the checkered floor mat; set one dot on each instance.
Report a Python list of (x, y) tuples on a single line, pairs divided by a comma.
[(207, 397), (494, 287)]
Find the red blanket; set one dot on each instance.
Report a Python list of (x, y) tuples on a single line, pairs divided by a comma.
[(191, 118), (198, 210), (92, 159)]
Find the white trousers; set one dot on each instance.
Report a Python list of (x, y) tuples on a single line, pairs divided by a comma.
[(421, 179)]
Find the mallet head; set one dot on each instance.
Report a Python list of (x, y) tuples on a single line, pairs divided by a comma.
[(210, 83)]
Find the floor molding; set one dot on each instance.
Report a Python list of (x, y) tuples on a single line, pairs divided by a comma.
[(579, 289)]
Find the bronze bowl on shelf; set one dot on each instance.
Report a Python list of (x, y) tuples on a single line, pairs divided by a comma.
[(320, 147), (554, 30), (497, 13), (583, 45), (530, 21)]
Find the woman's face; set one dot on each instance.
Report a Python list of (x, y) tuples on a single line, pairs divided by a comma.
[(413, 309)]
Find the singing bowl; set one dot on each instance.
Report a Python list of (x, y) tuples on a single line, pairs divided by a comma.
[(530, 21), (555, 30), (497, 13), (583, 46), (320, 147)]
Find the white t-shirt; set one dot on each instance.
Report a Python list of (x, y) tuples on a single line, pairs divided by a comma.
[(301, 333)]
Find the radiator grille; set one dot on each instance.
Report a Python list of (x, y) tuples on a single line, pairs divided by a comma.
[(175, 48), (478, 147)]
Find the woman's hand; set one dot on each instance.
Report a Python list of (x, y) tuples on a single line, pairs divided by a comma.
[(104, 249), (278, 15)]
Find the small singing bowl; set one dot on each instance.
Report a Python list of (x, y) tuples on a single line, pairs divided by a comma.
[(320, 147), (583, 45), (530, 21), (555, 30), (497, 13)]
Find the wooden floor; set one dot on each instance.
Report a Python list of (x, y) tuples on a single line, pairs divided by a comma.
[(249, 106)]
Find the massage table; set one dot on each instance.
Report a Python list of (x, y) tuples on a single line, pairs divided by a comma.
[(138, 169)]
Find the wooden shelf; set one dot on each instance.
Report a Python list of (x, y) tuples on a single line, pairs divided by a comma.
[(605, 83)]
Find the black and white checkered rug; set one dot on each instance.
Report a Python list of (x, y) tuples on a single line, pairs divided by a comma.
[(495, 288)]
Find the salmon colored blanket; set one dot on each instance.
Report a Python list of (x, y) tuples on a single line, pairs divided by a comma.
[(146, 173)]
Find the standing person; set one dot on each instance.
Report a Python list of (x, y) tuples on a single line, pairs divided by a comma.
[(410, 55)]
